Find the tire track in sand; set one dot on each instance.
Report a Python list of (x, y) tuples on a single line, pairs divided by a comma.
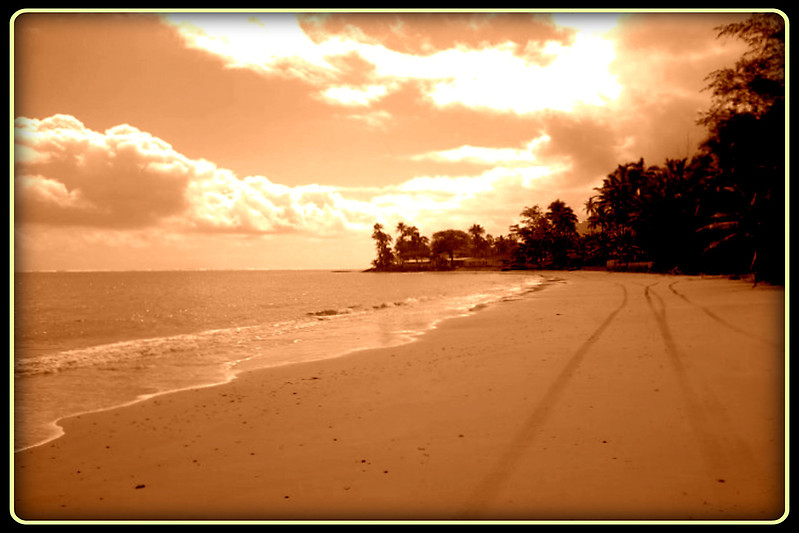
[(720, 447), (721, 320), (504, 466)]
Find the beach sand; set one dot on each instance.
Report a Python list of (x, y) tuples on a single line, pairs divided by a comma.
[(605, 396)]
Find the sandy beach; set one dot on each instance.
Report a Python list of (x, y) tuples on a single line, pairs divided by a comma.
[(605, 396)]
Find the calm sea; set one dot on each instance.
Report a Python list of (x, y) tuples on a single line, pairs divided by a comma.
[(87, 341)]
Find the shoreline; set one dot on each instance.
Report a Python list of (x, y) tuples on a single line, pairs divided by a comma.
[(461, 423), (236, 368)]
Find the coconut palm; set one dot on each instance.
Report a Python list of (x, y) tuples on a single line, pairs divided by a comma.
[(618, 206), (563, 238), (385, 257), (480, 246), (562, 218)]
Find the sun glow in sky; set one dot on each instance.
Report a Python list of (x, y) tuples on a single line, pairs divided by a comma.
[(277, 140)]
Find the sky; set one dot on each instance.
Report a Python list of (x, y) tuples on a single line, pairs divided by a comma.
[(276, 140)]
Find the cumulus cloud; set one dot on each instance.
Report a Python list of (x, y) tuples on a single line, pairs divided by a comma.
[(67, 174), (256, 205)]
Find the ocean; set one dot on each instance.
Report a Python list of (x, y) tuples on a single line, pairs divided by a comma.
[(89, 341)]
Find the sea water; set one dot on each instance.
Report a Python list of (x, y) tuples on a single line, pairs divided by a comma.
[(88, 341)]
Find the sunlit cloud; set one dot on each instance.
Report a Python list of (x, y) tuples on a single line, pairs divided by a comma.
[(356, 96), (256, 205), (71, 175), (494, 179), (67, 173), (499, 80), (504, 77), (487, 156), (269, 44), (588, 23)]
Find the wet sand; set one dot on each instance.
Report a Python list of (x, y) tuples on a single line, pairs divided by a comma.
[(604, 397)]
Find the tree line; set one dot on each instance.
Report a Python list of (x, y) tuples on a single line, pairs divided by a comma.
[(720, 211), (540, 240)]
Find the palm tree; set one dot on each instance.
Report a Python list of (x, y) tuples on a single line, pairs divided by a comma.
[(410, 244), (617, 207), (562, 218), (420, 246), (667, 222), (401, 228), (383, 243), (479, 242), (400, 244), (563, 236)]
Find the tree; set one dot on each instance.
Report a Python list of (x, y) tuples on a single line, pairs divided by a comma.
[(410, 243), (756, 84), (401, 245), (480, 244), (385, 258), (421, 247), (504, 247), (745, 152), (667, 224), (648, 213), (563, 238), (533, 236), (562, 218), (449, 242), (548, 240), (617, 209)]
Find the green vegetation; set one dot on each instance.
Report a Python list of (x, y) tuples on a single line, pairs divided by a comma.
[(722, 211)]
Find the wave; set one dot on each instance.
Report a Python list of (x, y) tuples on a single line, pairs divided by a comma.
[(229, 345), (363, 308), (143, 351)]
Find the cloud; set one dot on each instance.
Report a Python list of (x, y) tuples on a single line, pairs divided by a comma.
[(662, 61), (254, 204), (67, 174), (486, 155), (357, 96), (460, 61), (273, 44), (427, 33), (498, 79)]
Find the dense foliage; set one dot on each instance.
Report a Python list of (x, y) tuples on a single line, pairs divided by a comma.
[(721, 211)]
